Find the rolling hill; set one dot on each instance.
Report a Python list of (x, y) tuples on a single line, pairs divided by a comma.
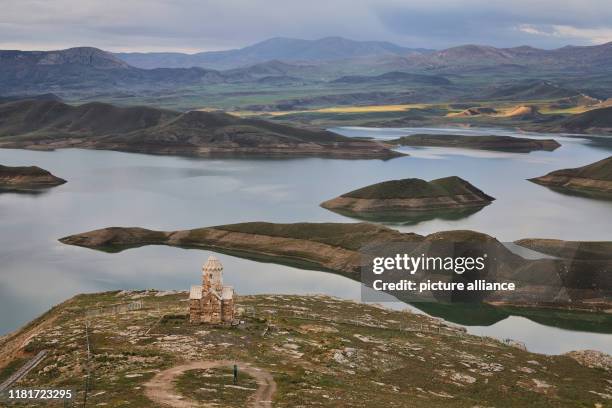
[(394, 78), (36, 124), (592, 121), (530, 90)]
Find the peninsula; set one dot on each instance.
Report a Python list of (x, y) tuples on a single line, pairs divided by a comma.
[(27, 178), (340, 248), (410, 196), (497, 143), (50, 124), (593, 179)]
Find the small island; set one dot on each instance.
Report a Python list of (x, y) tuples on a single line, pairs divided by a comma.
[(27, 178), (592, 180), (411, 197), (509, 144)]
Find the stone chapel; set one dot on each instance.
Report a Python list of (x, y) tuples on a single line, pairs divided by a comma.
[(211, 302)]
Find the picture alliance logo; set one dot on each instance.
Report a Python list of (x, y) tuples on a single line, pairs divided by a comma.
[(423, 263)]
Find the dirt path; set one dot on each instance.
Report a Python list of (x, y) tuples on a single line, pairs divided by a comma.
[(161, 389)]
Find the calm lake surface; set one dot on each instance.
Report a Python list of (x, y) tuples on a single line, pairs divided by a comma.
[(168, 193)]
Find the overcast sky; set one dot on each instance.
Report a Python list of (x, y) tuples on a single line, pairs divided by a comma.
[(202, 25)]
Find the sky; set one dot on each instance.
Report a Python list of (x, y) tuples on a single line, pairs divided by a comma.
[(207, 25)]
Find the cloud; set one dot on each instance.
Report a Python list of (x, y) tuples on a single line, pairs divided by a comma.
[(194, 25), (591, 35), (529, 29), (443, 23)]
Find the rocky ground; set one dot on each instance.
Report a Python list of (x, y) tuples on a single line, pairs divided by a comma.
[(319, 350)]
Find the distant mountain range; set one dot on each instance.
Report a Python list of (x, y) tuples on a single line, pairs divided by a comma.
[(284, 62), (331, 49), (585, 57), (283, 49)]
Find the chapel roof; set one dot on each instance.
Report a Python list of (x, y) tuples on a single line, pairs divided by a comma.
[(227, 292), (195, 292)]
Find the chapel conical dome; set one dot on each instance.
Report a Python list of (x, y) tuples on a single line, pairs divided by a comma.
[(212, 265)]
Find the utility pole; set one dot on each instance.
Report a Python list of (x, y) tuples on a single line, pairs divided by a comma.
[(88, 364)]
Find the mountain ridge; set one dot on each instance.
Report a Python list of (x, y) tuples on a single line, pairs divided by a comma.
[(276, 48), (338, 48)]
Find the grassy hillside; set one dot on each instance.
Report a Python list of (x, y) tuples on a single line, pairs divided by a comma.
[(593, 119), (349, 236), (593, 180), (319, 351), (601, 170), (55, 118), (52, 124)]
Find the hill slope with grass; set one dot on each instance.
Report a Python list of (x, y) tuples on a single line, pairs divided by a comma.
[(592, 121), (316, 350), (33, 124), (595, 178), (394, 78)]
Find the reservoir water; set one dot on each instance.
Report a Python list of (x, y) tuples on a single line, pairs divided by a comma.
[(168, 193)]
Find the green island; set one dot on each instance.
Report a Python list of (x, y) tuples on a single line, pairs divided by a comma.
[(411, 199), (27, 178), (492, 142)]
